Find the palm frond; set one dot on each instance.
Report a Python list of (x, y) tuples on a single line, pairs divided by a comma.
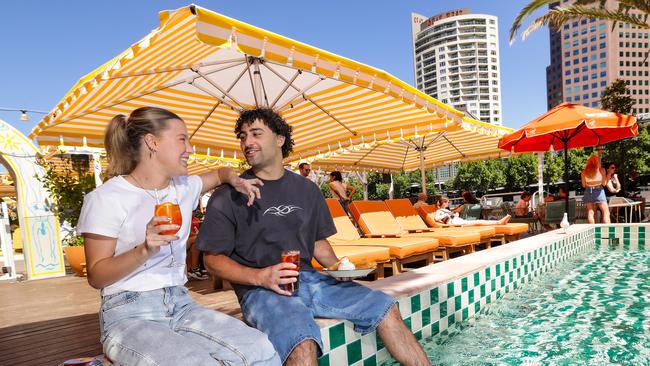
[(526, 12), (557, 17)]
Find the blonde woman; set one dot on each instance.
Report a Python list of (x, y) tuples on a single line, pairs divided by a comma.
[(147, 316)]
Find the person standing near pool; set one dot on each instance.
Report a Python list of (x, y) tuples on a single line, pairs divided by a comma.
[(594, 179), (244, 245)]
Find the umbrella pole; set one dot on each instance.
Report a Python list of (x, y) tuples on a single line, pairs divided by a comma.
[(423, 177), (566, 178)]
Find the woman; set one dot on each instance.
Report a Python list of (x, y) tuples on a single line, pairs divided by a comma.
[(613, 184), (147, 316), (341, 191), (594, 178), (445, 216), (523, 209), (468, 199)]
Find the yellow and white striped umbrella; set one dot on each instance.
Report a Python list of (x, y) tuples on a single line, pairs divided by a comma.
[(469, 141), (206, 67), (197, 164)]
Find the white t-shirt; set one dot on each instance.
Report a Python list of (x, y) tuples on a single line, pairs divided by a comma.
[(119, 209)]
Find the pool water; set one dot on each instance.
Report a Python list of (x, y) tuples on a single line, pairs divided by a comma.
[(593, 310)]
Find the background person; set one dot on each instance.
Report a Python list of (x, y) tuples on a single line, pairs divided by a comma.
[(244, 244), (341, 191), (445, 216), (613, 184), (523, 207), (147, 315), (594, 179), (422, 200)]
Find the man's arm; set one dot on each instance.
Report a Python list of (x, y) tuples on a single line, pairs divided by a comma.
[(269, 277), (324, 253)]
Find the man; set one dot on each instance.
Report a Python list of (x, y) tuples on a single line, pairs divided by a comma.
[(305, 169), (243, 245)]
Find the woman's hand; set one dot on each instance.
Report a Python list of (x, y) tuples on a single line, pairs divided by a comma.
[(153, 239), (249, 187)]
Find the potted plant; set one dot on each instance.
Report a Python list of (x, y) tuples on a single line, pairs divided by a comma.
[(67, 189)]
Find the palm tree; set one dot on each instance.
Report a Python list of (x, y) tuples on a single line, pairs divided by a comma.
[(634, 12)]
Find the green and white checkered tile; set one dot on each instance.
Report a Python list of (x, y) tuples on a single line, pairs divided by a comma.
[(435, 310)]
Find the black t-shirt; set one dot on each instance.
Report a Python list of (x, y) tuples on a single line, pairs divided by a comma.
[(292, 214)]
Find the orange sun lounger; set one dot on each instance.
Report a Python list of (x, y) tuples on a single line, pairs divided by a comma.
[(375, 220), (361, 256), (409, 219), (504, 233), (402, 250)]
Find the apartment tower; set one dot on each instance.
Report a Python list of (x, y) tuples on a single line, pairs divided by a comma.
[(456, 60)]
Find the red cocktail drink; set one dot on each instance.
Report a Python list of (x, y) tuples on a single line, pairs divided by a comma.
[(292, 256)]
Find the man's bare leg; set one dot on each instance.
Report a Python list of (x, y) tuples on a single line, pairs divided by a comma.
[(399, 340), (303, 354)]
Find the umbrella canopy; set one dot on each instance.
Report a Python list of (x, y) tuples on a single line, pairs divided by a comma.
[(207, 67), (569, 126), (415, 149)]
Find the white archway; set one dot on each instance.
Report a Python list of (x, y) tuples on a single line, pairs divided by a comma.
[(39, 227)]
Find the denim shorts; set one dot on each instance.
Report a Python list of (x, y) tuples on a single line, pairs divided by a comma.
[(166, 327), (594, 195), (289, 320)]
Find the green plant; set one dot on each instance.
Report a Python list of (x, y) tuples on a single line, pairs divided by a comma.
[(67, 189), (73, 240)]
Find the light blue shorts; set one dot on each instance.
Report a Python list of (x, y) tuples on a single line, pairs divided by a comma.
[(594, 195), (166, 327), (289, 320)]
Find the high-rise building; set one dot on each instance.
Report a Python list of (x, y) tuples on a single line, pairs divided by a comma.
[(456, 60), (587, 55)]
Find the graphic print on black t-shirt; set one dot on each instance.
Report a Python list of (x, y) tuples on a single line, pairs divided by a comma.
[(291, 214)]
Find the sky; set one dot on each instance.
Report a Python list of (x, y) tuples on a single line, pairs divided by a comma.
[(46, 46)]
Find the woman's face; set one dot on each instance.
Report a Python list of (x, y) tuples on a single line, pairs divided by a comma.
[(173, 148), (611, 169)]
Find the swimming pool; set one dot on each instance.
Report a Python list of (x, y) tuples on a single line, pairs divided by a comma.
[(446, 302), (590, 310)]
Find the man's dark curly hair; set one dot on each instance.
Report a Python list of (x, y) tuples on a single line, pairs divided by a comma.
[(272, 120)]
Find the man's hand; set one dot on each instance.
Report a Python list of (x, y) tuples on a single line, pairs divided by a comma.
[(247, 187), (280, 274)]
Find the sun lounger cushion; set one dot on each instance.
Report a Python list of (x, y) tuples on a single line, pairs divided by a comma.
[(379, 223), (511, 229), (411, 223), (399, 247), (359, 254), (345, 230), (449, 238)]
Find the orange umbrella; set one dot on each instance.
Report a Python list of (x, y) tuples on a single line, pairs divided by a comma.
[(570, 126)]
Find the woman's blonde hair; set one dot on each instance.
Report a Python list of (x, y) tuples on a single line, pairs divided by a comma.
[(591, 168), (125, 135)]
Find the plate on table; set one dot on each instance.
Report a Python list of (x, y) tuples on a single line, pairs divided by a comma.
[(355, 273)]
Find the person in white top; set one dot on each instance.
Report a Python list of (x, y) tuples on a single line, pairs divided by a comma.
[(147, 316), (594, 178)]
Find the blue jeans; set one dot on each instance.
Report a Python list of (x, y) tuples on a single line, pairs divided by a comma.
[(289, 320), (166, 327)]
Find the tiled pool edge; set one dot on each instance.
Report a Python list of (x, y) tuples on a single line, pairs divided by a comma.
[(432, 311)]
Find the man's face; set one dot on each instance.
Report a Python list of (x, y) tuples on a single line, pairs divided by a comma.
[(305, 170), (261, 146)]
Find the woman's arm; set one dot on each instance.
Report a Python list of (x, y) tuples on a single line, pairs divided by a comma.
[(350, 187), (583, 179), (104, 268), (216, 177)]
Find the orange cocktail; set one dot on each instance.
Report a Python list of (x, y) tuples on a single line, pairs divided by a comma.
[(292, 256), (173, 212)]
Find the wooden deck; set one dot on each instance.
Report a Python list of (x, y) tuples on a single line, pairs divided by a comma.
[(46, 322)]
